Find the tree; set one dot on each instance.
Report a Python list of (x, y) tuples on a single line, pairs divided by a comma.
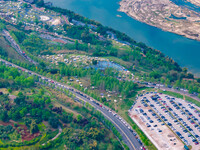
[(94, 62), (190, 76), (167, 82), (66, 118), (76, 45), (39, 3), (95, 133), (16, 115), (20, 99), (46, 26), (25, 5), (54, 122), (2, 26), (20, 24), (155, 75), (23, 112), (79, 118), (185, 70), (41, 92), (103, 99), (4, 116), (9, 90), (33, 127)]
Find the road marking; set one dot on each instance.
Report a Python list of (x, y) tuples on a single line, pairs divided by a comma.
[(113, 123), (120, 129), (76, 96)]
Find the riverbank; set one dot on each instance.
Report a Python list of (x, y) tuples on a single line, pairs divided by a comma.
[(165, 15), (195, 2), (183, 50)]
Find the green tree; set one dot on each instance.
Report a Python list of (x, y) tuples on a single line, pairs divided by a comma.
[(10, 90), (34, 127), (54, 122), (79, 118), (4, 116), (76, 45), (25, 5)]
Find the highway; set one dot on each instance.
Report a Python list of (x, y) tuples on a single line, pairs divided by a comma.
[(16, 47), (121, 125), (163, 87)]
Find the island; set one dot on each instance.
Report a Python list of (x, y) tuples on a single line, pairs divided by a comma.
[(180, 17)]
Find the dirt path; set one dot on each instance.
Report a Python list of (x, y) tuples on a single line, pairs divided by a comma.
[(60, 131), (65, 108)]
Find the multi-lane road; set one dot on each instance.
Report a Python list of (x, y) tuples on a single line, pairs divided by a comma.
[(17, 47), (162, 87), (121, 125)]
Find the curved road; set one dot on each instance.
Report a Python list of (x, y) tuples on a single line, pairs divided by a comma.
[(175, 90), (121, 125)]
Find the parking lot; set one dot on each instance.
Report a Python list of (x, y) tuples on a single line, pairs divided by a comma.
[(170, 123)]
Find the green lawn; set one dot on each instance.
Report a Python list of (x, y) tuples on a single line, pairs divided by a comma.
[(123, 112), (177, 95), (48, 136)]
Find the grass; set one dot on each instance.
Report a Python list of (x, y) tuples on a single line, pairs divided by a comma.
[(41, 127), (119, 61), (120, 46), (5, 91), (177, 95), (16, 137), (142, 136), (49, 136), (5, 45), (122, 111), (65, 108)]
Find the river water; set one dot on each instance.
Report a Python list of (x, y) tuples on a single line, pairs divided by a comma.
[(184, 51)]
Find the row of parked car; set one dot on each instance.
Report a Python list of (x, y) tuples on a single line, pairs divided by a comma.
[(175, 117)]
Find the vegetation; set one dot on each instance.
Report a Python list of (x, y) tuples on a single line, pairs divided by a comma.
[(139, 59), (33, 108), (177, 95), (83, 130)]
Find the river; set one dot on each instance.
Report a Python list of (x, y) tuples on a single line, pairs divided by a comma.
[(184, 51)]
